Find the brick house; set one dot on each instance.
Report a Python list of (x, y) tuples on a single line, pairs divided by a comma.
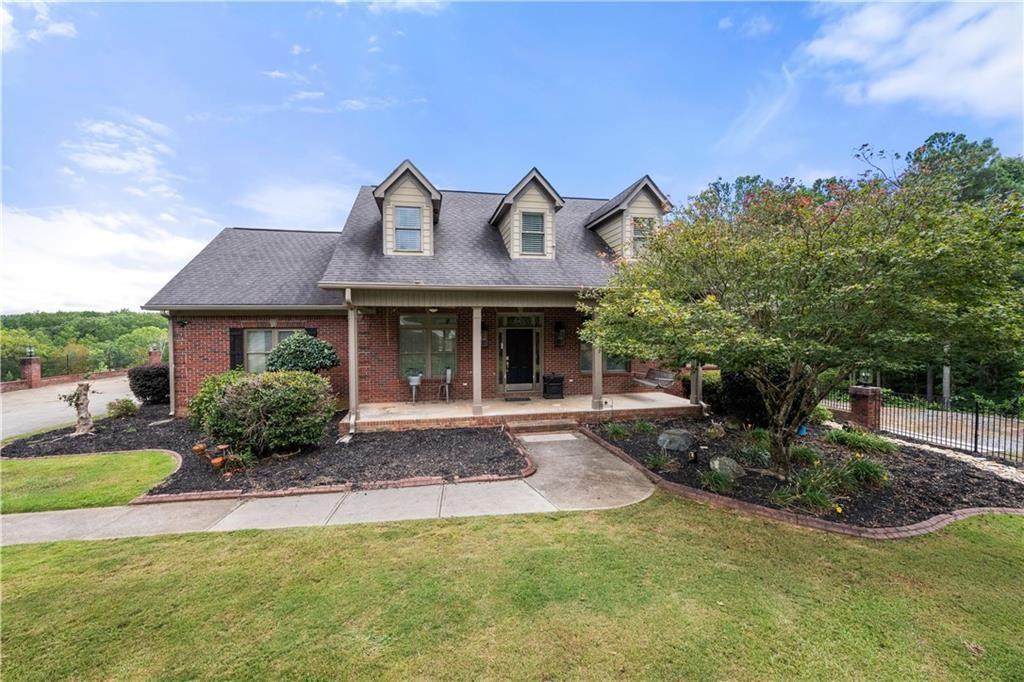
[(418, 282)]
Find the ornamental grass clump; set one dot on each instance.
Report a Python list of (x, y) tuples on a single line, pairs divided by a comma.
[(861, 441), (265, 413)]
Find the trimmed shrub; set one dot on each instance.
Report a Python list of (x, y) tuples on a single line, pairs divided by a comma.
[(204, 402), (121, 408), (740, 398), (712, 389), (302, 352), (268, 412), (151, 384)]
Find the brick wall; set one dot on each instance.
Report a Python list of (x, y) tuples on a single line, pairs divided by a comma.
[(202, 347)]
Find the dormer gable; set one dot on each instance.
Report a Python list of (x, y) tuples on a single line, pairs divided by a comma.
[(410, 207), (626, 221), (526, 217)]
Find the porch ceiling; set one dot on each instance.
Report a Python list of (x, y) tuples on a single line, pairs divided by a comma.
[(447, 298)]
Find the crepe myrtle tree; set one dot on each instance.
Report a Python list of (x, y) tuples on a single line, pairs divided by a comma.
[(799, 286)]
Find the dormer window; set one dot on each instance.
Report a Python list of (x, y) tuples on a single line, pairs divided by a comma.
[(526, 217), (643, 230), (533, 234), (410, 207), (408, 228)]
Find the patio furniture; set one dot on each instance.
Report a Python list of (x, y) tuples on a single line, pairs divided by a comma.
[(414, 382), (656, 378), (445, 386)]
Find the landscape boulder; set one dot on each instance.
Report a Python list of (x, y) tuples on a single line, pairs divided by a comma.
[(676, 440), (727, 467)]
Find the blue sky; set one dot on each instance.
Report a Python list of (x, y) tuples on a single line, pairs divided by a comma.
[(133, 132)]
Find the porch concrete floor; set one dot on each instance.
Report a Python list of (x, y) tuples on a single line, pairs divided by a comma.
[(499, 407)]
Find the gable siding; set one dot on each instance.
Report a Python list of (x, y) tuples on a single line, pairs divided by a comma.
[(644, 205), (533, 200), (611, 232), (408, 192)]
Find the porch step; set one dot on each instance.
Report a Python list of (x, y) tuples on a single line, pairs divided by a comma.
[(542, 426)]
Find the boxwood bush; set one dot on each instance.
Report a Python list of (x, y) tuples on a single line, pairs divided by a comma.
[(302, 352), (264, 413), (151, 384)]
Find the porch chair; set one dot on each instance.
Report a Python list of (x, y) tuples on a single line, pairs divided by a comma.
[(445, 386)]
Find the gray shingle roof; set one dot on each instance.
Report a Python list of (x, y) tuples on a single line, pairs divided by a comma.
[(248, 267), (468, 251), (612, 204)]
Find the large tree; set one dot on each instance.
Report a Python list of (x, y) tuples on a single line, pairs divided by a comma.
[(799, 286)]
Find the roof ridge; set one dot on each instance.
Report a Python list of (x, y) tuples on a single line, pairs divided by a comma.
[(281, 229)]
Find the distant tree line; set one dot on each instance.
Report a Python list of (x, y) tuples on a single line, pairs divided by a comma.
[(74, 342)]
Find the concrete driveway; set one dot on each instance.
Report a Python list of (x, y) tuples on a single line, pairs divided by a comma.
[(38, 408), (573, 473)]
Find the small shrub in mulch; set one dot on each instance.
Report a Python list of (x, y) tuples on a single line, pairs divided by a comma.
[(121, 408), (370, 457), (151, 384), (919, 484)]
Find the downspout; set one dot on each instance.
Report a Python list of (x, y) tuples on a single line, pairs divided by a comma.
[(170, 357), (351, 413)]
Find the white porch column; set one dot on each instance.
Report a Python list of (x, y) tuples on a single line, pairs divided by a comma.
[(478, 403), (597, 378), (353, 362)]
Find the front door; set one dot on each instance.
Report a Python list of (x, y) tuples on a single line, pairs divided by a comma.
[(518, 359)]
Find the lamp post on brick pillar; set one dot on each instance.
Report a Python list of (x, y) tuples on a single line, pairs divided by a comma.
[(155, 354), (31, 369), (866, 406)]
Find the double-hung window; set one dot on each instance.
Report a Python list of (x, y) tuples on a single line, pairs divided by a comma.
[(612, 363), (408, 228), (426, 345), (643, 230), (533, 233), (259, 343)]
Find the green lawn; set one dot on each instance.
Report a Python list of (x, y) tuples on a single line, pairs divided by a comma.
[(74, 481), (665, 588)]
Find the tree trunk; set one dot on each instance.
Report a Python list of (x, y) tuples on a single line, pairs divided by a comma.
[(779, 439), (83, 424)]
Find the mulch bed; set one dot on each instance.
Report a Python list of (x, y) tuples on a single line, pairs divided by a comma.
[(370, 457), (922, 484)]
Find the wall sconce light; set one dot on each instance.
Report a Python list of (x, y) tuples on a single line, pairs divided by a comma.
[(154, 347), (560, 334), (30, 351), (182, 323), (483, 334)]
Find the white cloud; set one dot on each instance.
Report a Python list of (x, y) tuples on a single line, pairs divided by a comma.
[(44, 26), (376, 103), (757, 26), (372, 39), (297, 49), (73, 259), (399, 33), (959, 58), (305, 95), (418, 6), (289, 204), (764, 105), (373, 49), (116, 148), (168, 217), (8, 34), (277, 74), (725, 23)]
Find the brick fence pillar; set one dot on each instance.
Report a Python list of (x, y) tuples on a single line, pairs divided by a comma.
[(32, 371), (155, 357), (866, 406)]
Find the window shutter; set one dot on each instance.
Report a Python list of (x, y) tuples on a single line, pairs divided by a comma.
[(311, 331), (237, 356)]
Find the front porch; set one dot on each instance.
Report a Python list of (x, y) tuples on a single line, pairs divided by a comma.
[(397, 416)]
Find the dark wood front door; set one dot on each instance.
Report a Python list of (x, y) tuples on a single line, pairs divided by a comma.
[(519, 359)]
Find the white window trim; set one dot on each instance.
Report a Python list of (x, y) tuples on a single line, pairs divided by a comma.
[(397, 229), (651, 228), (543, 234), (275, 338)]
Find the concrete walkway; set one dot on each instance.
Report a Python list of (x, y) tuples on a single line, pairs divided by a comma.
[(38, 408), (573, 473)]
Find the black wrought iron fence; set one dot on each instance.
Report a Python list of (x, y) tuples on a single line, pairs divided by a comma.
[(968, 425), (838, 399)]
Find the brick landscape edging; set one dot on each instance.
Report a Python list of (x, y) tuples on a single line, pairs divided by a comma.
[(413, 482), (889, 533)]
